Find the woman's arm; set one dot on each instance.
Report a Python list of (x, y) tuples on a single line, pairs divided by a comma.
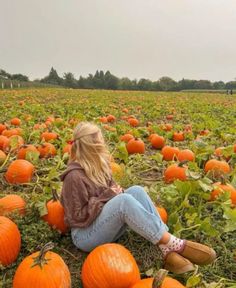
[(80, 209)]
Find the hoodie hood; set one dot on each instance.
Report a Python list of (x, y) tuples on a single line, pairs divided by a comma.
[(72, 166)]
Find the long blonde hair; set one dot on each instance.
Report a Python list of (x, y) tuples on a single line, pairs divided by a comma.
[(90, 151)]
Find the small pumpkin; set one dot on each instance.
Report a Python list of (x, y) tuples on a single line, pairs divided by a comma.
[(2, 128), (178, 136), (168, 282), (115, 267), (49, 136), (186, 155), (158, 142), (220, 188), (126, 137), (133, 122), (4, 142), (42, 269), (47, 150), (169, 152), (3, 157), (19, 171), (217, 166), (174, 172), (10, 241), (25, 149), (55, 215), (117, 170), (135, 146), (103, 119), (163, 213), (111, 118), (11, 203), (15, 121)]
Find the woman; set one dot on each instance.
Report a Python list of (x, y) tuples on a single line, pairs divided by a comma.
[(98, 210)]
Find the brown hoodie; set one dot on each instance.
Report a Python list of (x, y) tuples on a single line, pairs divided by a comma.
[(81, 198)]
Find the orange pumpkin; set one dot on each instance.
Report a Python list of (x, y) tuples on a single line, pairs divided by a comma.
[(133, 122), (169, 152), (3, 157), (168, 282), (16, 141), (174, 172), (42, 269), (19, 171), (55, 216), (116, 169), (157, 141), (47, 150), (186, 154), (111, 118), (12, 203), (22, 153), (167, 127), (103, 119), (49, 136), (169, 117), (126, 137), (163, 213), (16, 121), (2, 128), (10, 132), (217, 166), (221, 188), (67, 149), (10, 241), (115, 267), (135, 146), (4, 142), (178, 136)]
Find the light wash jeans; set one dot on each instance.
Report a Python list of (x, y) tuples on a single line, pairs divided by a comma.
[(133, 208)]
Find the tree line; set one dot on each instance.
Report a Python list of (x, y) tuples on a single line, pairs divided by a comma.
[(106, 80)]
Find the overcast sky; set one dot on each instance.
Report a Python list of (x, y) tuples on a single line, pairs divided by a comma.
[(193, 39)]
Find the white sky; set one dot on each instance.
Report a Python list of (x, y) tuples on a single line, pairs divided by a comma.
[(193, 39)]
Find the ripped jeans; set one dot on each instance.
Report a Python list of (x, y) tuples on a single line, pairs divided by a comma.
[(133, 208)]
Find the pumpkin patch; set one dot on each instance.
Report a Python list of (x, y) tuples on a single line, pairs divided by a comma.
[(169, 143)]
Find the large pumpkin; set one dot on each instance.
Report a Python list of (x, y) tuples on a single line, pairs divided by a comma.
[(11, 203), (55, 216), (110, 266), (42, 269), (19, 171), (10, 241)]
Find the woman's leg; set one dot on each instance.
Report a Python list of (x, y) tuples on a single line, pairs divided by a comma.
[(119, 211), (141, 195)]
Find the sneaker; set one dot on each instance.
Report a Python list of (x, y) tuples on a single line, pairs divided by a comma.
[(177, 264)]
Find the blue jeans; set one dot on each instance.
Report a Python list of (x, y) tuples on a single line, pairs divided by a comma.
[(133, 208)]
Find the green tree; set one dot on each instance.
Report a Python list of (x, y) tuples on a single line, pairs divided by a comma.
[(167, 84), (69, 80), (52, 78)]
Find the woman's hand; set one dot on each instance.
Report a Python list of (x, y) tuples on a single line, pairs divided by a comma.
[(117, 189)]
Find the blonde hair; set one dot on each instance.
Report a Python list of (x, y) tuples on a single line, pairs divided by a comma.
[(90, 151)]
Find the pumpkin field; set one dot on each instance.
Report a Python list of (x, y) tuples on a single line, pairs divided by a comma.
[(181, 147)]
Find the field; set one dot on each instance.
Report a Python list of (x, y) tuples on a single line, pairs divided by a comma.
[(208, 121)]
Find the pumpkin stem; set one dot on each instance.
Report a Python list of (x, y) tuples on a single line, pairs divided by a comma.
[(55, 196), (159, 278), (40, 259)]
